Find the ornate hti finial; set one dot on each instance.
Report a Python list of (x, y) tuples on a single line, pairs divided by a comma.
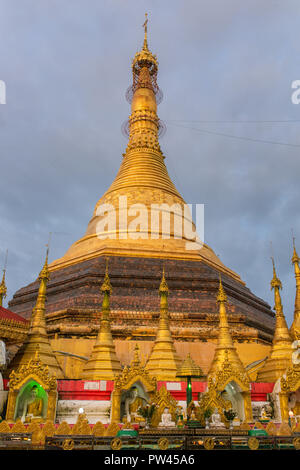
[(275, 282), (145, 29), (106, 286), (295, 258), (163, 288), (44, 274), (221, 297)]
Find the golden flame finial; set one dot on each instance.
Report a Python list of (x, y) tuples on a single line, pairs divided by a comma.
[(44, 274), (106, 286), (163, 288), (221, 297)]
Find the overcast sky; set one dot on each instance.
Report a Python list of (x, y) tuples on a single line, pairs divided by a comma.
[(66, 65)]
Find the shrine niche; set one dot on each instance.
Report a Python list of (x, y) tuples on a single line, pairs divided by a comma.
[(32, 395), (289, 393), (133, 388), (212, 399), (234, 388), (163, 401)]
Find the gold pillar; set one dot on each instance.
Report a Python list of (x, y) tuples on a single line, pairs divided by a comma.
[(284, 406), (11, 405), (116, 406), (247, 406)]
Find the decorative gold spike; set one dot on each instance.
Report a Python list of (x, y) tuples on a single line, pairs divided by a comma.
[(103, 363), (163, 361), (106, 286), (295, 327), (281, 351), (221, 297), (37, 343), (136, 358)]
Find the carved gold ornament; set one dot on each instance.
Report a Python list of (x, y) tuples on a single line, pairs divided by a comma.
[(291, 381), (163, 443), (229, 373), (68, 444), (209, 443), (296, 443), (253, 443), (35, 369), (116, 443)]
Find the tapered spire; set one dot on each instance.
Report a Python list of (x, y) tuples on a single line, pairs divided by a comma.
[(143, 182), (37, 338), (103, 363), (3, 289), (163, 361), (281, 350), (225, 350), (145, 26), (295, 328)]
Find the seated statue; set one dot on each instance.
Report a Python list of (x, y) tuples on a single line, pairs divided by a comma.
[(33, 407), (263, 414), (132, 404), (166, 419), (216, 421)]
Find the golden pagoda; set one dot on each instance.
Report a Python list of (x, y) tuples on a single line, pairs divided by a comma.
[(103, 363), (142, 179), (281, 351), (295, 328), (136, 252), (225, 350), (163, 361), (3, 289), (37, 339)]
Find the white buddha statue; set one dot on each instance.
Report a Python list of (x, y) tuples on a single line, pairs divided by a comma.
[(216, 421), (166, 419), (33, 407), (132, 403)]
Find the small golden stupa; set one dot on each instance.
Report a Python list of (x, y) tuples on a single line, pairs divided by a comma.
[(163, 361), (103, 363), (37, 337), (281, 353)]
